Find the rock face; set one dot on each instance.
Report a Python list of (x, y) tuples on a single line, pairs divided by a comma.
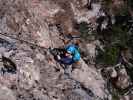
[(87, 74), (6, 93), (29, 28)]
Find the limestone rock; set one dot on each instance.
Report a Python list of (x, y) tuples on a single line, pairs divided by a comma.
[(6, 93), (90, 78)]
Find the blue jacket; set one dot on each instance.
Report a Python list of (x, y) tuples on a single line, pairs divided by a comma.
[(73, 49)]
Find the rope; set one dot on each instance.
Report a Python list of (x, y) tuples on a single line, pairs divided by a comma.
[(31, 43), (22, 40)]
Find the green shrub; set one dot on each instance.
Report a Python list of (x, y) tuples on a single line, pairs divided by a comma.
[(119, 37), (84, 30), (115, 97), (110, 55)]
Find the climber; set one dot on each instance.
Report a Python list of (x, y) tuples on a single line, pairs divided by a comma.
[(69, 55)]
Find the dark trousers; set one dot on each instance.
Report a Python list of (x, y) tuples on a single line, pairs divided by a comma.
[(66, 60)]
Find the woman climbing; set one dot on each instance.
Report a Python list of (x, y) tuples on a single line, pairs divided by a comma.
[(68, 55)]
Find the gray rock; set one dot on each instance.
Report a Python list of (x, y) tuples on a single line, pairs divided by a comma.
[(84, 95), (90, 78), (2, 50), (6, 93), (37, 78)]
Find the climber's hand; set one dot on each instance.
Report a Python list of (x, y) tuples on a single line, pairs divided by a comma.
[(58, 57), (77, 62)]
